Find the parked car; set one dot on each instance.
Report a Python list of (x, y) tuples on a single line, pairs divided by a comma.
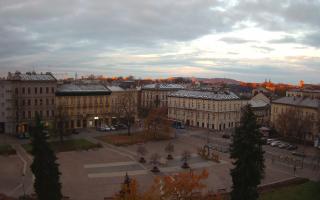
[(75, 131), (300, 154), (113, 128), (120, 126), (178, 125), (292, 147), (275, 143), (24, 135), (269, 141), (283, 145), (107, 128), (227, 136), (264, 140), (103, 128)]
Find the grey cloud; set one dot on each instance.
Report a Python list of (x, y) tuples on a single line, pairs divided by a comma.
[(235, 40), (264, 48), (286, 39)]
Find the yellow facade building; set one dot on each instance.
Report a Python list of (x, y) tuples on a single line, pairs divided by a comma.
[(85, 105), (206, 109), (304, 105)]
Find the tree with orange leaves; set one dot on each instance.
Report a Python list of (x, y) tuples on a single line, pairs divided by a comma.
[(129, 190), (182, 186), (157, 121)]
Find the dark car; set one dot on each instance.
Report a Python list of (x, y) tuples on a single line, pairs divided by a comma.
[(120, 126), (24, 135), (292, 147), (227, 136), (300, 154), (75, 131)]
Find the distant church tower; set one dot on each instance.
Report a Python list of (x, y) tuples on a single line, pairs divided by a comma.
[(301, 83)]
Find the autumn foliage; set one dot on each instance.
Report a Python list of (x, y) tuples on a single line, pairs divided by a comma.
[(181, 186)]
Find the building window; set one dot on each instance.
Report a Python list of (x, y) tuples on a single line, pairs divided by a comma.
[(52, 101), (16, 90), (40, 113), (40, 90), (36, 90), (52, 90), (52, 113), (35, 102), (78, 123), (47, 90), (23, 90), (47, 101), (29, 114), (40, 102), (29, 102), (29, 90), (48, 114)]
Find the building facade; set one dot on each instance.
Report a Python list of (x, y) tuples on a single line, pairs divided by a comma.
[(261, 106), (306, 107), (7, 118), (303, 93), (156, 95), (85, 104), (206, 109), (27, 95), (116, 98)]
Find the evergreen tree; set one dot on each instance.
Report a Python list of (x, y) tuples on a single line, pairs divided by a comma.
[(44, 167), (247, 152)]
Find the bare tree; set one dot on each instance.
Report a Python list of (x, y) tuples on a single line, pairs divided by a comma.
[(126, 110), (157, 121), (294, 124), (184, 158), (169, 149), (154, 160), (142, 151)]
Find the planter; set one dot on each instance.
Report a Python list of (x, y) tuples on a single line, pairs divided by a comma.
[(142, 160), (155, 169), (185, 165)]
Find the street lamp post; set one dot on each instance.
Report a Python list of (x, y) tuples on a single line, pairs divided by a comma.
[(23, 188)]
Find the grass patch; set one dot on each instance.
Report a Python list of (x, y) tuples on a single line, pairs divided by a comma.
[(134, 138), (306, 191), (68, 145), (6, 150)]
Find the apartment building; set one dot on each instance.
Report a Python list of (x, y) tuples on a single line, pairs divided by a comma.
[(85, 104), (261, 106), (117, 95), (206, 109), (27, 95), (303, 93), (304, 105), (156, 95), (6, 107)]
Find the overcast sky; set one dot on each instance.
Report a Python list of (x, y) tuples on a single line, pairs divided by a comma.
[(246, 40)]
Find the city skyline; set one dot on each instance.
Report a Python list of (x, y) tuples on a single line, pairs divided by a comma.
[(244, 40)]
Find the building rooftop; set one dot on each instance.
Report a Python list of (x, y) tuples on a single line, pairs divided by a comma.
[(257, 103), (113, 88), (305, 90), (82, 89), (298, 101), (31, 76), (163, 86), (205, 95)]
